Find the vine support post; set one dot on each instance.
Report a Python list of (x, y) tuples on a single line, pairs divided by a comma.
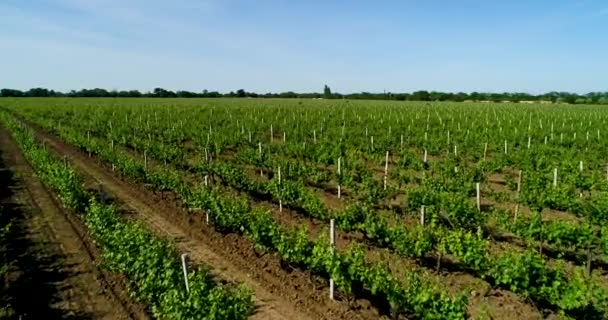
[(529, 142), (332, 245), (185, 270), (385, 170), (425, 156), (422, 212), (485, 151), (477, 187), (518, 192), (339, 174), (206, 180), (145, 159), (506, 150), (554, 177), (280, 200), (580, 166), (448, 138), (314, 136), (271, 134)]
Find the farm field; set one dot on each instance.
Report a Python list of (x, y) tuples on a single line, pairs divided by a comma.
[(440, 210)]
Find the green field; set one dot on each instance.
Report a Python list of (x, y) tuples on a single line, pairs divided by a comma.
[(400, 179)]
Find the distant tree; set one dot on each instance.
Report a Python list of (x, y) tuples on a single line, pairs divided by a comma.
[(162, 93), (420, 96), (11, 93), (185, 94), (241, 93), (327, 92), (288, 94), (37, 92)]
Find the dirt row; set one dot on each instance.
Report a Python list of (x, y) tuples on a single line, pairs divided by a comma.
[(495, 303), (281, 291), (54, 272)]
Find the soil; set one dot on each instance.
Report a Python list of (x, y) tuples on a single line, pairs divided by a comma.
[(496, 304), (54, 272), (281, 292)]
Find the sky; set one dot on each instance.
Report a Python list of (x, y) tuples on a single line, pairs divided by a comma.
[(532, 46)]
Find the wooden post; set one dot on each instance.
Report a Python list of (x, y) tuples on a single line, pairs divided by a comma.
[(145, 159), (385, 170), (455, 151), (206, 180), (506, 147), (517, 195), (477, 186), (485, 151), (332, 245), (314, 135), (580, 165), (280, 200), (271, 134), (554, 177), (422, 208), (339, 174), (425, 155), (185, 270), (284, 137)]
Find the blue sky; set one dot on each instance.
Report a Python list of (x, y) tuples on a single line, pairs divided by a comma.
[(272, 45)]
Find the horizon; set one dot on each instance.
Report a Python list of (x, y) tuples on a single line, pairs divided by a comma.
[(275, 46)]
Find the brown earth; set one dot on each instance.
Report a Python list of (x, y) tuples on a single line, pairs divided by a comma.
[(190, 230), (281, 292), (54, 274)]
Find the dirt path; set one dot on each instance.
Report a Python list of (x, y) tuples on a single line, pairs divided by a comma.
[(54, 275), (280, 293)]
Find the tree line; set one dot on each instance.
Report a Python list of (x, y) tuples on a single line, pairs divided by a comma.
[(422, 95)]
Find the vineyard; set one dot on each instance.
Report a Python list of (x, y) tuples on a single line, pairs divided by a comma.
[(438, 210)]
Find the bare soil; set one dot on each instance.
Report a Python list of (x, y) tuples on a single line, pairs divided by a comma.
[(281, 291), (54, 273)]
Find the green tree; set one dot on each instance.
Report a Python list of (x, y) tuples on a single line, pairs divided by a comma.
[(326, 92)]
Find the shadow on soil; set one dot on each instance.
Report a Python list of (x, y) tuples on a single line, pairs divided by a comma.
[(28, 290)]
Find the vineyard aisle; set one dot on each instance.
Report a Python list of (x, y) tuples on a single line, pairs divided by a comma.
[(277, 294), (53, 273)]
